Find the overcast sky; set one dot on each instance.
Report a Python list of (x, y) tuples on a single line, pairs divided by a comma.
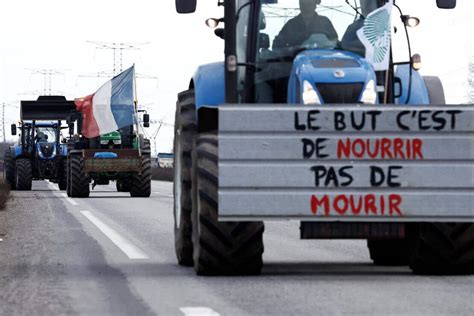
[(53, 34)]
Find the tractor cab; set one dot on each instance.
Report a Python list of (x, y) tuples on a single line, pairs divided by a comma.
[(316, 51), (39, 137)]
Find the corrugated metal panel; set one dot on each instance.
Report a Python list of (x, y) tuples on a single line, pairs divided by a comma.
[(290, 147), (273, 118), (351, 163), (345, 175)]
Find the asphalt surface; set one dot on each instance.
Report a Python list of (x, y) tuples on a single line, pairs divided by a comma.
[(112, 254)]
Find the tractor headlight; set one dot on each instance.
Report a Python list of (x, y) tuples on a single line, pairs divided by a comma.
[(369, 96), (104, 141), (310, 96), (117, 141)]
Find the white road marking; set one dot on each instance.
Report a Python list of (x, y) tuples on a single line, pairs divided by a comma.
[(69, 199), (162, 194), (53, 187), (122, 243), (198, 311)]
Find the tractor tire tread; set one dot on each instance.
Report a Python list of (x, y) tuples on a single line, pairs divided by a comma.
[(9, 169), (24, 174), (391, 252), (443, 249), (186, 123), (220, 248), (79, 180)]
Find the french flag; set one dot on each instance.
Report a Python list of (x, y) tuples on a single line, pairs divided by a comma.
[(109, 108)]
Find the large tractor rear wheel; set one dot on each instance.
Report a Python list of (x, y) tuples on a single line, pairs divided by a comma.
[(391, 252), (435, 90), (140, 184), (9, 169), (442, 249), (62, 174), (68, 176), (79, 181), (23, 174), (185, 128), (220, 248)]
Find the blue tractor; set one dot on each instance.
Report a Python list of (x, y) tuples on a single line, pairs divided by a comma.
[(41, 151), (306, 54)]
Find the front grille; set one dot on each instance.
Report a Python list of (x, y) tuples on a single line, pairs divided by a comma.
[(47, 149), (335, 63), (340, 92)]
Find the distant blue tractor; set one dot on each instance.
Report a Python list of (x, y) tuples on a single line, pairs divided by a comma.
[(39, 153)]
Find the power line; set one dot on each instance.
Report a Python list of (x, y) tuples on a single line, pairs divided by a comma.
[(155, 134), (117, 49), (109, 75), (47, 78)]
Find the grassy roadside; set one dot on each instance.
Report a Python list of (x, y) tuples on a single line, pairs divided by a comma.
[(4, 194)]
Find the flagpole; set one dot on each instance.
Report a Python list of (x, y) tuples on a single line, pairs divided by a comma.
[(135, 101)]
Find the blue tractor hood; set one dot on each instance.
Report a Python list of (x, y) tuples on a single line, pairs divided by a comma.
[(337, 76), (46, 150)]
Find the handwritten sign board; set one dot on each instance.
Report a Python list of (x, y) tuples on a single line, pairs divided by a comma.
[(352, 163)]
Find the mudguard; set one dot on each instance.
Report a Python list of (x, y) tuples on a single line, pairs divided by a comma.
[(209, 85), (16, 151), (419, 92)]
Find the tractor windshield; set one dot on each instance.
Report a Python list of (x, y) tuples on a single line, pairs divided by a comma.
[(45, 134), (287, 26)]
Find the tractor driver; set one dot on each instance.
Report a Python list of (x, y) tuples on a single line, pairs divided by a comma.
[(299, 29), (40, 136)]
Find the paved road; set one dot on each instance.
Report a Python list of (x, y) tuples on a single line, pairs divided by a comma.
[(111, 254)]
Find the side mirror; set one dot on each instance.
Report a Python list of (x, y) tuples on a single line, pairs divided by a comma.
[(219, 32), (146, 120), (263, 41), (446, 4), (185, 6), (13, 129), (71, 128)]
